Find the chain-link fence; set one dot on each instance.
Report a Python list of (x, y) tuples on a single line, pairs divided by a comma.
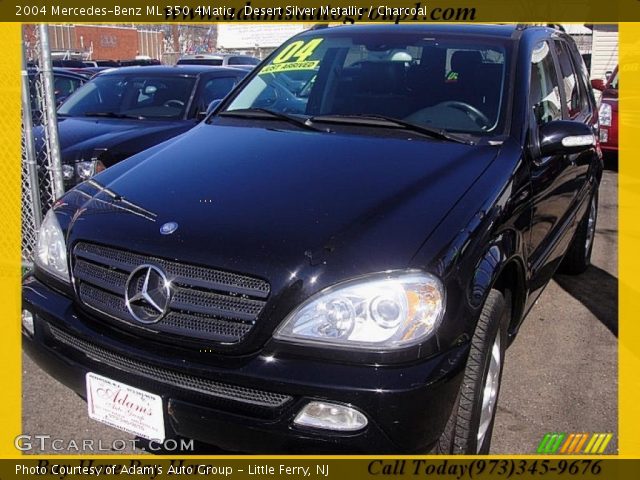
[(31, 210), (41, 165)]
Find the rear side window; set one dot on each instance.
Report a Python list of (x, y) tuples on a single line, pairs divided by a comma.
[(574, 95), (216, 62), (545, 91), (243, 61)]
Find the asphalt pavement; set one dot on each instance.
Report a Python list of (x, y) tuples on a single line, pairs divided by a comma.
[(560, 373)]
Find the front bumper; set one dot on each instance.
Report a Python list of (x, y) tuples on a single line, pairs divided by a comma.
[(248, 404)]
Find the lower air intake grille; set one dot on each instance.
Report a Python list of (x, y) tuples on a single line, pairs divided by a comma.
[(177, 379)]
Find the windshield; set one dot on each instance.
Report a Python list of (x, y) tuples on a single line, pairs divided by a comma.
[(141, 96), (436, 81)]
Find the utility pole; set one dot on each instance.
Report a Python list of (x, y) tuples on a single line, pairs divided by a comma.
[(176, 39)]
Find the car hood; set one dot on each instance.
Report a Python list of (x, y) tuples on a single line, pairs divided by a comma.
[(274, 203), (121, 138)]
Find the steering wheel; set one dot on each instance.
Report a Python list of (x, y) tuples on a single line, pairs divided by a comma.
[(277, 97), (476, 115), (173, 103)]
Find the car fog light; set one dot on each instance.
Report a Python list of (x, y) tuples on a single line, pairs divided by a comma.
[(68, 172), (331, 416), (27, 322)]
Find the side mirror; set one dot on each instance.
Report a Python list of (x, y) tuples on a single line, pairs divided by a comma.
[(608, 74), (210, 108), (213, 105), (562, 137), (598, 84)]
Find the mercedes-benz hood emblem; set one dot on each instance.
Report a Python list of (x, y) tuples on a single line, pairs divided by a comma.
[(168, 228)]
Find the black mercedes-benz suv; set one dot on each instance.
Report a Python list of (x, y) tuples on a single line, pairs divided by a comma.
[(338, 257)]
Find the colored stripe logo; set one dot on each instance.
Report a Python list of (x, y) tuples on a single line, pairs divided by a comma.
[(574, 443)]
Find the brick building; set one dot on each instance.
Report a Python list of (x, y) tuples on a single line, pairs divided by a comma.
[(102, 42)]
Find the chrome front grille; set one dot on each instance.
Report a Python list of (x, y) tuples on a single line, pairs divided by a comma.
[(171, 377), (206, 304)]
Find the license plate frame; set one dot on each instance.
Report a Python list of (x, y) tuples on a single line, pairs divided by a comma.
[(124, 407)]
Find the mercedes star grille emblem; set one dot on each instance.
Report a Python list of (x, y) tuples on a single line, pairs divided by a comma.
[(147, 294)]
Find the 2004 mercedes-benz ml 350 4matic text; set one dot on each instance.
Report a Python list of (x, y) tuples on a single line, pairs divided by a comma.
[(345, 271)]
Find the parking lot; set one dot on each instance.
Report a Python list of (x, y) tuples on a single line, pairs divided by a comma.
[(560, 374)]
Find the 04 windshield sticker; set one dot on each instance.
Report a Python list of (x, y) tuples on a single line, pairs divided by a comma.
[(294, 57)]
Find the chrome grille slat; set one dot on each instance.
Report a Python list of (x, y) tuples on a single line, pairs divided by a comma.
[(192, 325), (103, 277), (189, 382), (103, 301), (186, 274), (199, 326), (208, 305), (204, 302)]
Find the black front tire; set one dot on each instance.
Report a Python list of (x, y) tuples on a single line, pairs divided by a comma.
[(463, 427), (578, 257)]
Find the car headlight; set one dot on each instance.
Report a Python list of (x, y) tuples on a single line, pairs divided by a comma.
[(51, 252), (68, 172), (380, 312), (87, 169), (605, 114)]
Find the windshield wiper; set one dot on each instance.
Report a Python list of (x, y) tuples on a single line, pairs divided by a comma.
[(113, 115), (375, 120), (272, 114)]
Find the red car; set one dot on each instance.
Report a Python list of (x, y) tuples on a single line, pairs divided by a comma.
[(608, 112)]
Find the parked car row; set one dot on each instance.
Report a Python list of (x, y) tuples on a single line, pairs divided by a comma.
[(106, 142), (126, 110), (65, 83), (212, 59), (80, 64), (608, 112), (337, 258), (89, 68), (219, 60)]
